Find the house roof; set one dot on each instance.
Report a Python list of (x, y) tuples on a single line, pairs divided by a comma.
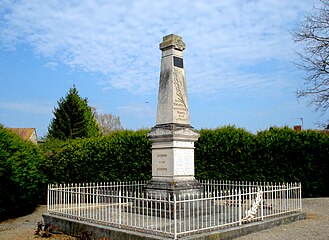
[(324, 131), (24, 133)]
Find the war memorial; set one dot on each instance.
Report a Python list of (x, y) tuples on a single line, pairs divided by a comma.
[(173, 204)]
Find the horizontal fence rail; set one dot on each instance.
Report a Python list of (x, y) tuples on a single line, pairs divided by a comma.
[(219, 204)]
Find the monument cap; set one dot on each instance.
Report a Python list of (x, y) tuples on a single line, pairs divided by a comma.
[(174, 41)]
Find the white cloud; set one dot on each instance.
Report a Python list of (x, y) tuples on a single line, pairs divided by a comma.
[(120, 38), (27, 107), (51, 65)]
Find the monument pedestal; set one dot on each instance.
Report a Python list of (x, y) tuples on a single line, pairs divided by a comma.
[(173, 160)]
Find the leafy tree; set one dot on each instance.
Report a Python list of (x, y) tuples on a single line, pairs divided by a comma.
[(313, 35), (73, 118), (107, 122), (22, 179)]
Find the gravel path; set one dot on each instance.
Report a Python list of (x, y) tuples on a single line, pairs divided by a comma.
[(316, 225), (24, 228)]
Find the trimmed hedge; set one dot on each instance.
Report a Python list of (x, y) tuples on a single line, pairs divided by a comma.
[(288, 156), (227, 153), (274, 155), (119, 156), (22, 182)]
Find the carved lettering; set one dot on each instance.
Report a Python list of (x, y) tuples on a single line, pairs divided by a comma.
[(161, 155), (162, 169)]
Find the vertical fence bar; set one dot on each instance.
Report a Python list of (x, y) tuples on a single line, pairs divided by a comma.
[(202, 208), (296, 200), (165, 200), (300, 197), (287, 199), (175, 216), (53, 195), (48, 197), (193, 210), (160, 212), (219, 206), (138, 207), (65, 199), (262, 203), (156, 211), (214, 206), (229, 202), (60, 200), (179, 209), (126, 204), (293, 197), (206, 207), (198, 210), (79, 206), (144, 200), (151, 207), (120, 220), (88, 197), (240, 207)]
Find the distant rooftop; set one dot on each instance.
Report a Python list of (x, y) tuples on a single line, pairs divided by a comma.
[(26, 133)]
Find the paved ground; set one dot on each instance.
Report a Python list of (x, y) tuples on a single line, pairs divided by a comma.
[(316, 226)]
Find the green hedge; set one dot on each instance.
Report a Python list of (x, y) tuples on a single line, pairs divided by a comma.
[(289, 156), (120, 156), (227, 153), (274, 155), (22, 182)]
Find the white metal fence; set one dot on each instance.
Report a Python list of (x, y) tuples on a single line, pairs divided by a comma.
[(219, 205)]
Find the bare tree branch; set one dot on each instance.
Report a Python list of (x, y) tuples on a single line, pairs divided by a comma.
[(107, 122), (313, 36)]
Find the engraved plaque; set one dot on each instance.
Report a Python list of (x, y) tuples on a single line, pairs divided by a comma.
[(184, 162), (161, 164), (178, 62)]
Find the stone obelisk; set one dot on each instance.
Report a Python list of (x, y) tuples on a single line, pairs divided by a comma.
[(172, 137)]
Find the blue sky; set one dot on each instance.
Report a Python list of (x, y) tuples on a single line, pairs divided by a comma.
[(238, 60)]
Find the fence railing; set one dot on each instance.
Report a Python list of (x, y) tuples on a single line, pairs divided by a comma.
[(218, 205)]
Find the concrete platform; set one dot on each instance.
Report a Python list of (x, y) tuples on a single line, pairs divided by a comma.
[(75, 228)]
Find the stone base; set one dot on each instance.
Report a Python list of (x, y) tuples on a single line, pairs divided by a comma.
[(75, 227), (168, 188), (165, 191)]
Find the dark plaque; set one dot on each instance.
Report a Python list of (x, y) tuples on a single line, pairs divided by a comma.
[(178, 62)]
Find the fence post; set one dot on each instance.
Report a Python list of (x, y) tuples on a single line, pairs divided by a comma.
[(240, 207), (175, 216), (119, 204), (288, 189), (300, 196), (79, 204), (262, 203), (48, 195)]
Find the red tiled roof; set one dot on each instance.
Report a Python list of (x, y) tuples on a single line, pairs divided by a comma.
[(24, 133)]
